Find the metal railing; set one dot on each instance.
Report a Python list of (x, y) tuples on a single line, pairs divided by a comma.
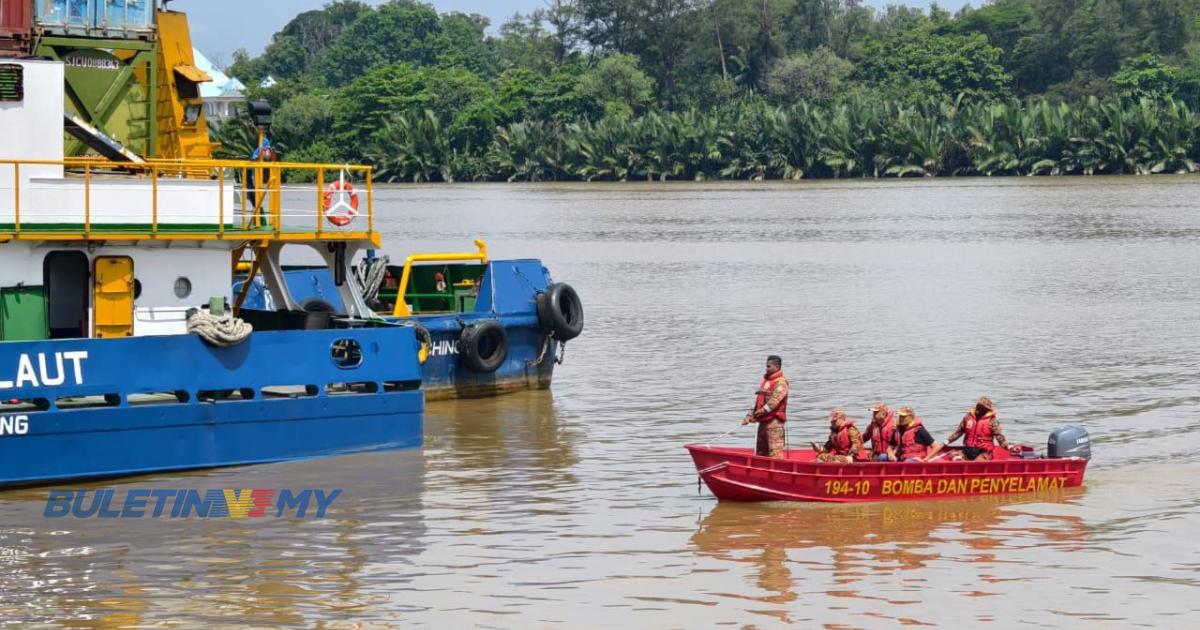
[(185, 199), (401, 308)]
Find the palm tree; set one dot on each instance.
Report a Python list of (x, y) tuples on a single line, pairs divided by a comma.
[(525, 151), (414, 148)]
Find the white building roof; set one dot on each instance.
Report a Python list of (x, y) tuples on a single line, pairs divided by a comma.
[(221, 84)]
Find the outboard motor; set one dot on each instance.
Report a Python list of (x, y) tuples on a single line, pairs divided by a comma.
[(1069, 441)]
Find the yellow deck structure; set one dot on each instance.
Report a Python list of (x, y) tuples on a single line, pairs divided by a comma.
[(99, 199), (182, 126)]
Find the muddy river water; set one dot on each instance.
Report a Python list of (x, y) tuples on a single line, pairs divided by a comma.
[(1065, 300)]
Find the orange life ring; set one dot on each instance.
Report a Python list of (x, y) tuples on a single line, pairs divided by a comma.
[(341, 203)]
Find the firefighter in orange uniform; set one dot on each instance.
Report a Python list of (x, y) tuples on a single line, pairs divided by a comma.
[(982, 431), (880, 433), (770, 410), (845, 444), (913, 443)]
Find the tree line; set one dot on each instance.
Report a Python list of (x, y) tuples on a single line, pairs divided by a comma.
[(703, 89)]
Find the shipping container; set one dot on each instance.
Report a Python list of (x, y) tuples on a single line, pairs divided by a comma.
[(15, 25), (121, 19)]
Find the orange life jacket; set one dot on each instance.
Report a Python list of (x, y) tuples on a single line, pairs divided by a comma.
[(764, 392), (979, 430), (882, 435), (842, 444), (909, 447)]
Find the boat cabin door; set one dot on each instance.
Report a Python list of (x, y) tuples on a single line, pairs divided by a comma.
[(66, 277), (113, 296)]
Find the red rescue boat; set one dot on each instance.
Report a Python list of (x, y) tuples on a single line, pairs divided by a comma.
[(737, 474)]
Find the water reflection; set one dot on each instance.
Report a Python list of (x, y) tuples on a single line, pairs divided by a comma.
[(856, 544), (271, 571), (518, 430)]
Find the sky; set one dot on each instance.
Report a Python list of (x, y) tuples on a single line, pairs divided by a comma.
[(220, 27)]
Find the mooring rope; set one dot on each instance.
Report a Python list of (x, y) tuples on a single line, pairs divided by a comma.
[(218, 331), (370, 275)]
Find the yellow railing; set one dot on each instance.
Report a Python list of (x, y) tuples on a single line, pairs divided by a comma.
[(401, 309), (174, 200)]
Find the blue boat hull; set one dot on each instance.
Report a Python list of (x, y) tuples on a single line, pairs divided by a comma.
[(445, 376), (175, 403), (507, 295)]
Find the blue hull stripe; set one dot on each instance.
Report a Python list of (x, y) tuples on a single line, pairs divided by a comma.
[(64, 442)]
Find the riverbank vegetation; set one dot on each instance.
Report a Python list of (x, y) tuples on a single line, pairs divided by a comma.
[(692, 89)]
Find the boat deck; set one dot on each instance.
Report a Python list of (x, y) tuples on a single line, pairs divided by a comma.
[(87, 198), (172, 232)]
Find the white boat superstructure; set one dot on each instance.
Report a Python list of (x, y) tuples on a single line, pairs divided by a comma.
[(110, 248)]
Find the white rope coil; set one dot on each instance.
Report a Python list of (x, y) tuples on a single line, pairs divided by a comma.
[(218, 331)]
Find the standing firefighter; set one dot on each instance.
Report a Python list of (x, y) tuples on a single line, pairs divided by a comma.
[(770, 409)]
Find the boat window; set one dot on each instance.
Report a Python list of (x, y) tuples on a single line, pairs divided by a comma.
[(158, 398), (87, 402), (346, 354), (67, 278), (289, 391), (401, 386), (183, 287), (343, 389), (221, 395), (17, 405)]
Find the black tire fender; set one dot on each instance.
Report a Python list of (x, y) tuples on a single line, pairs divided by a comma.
[(483, 346), (560, 311)]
